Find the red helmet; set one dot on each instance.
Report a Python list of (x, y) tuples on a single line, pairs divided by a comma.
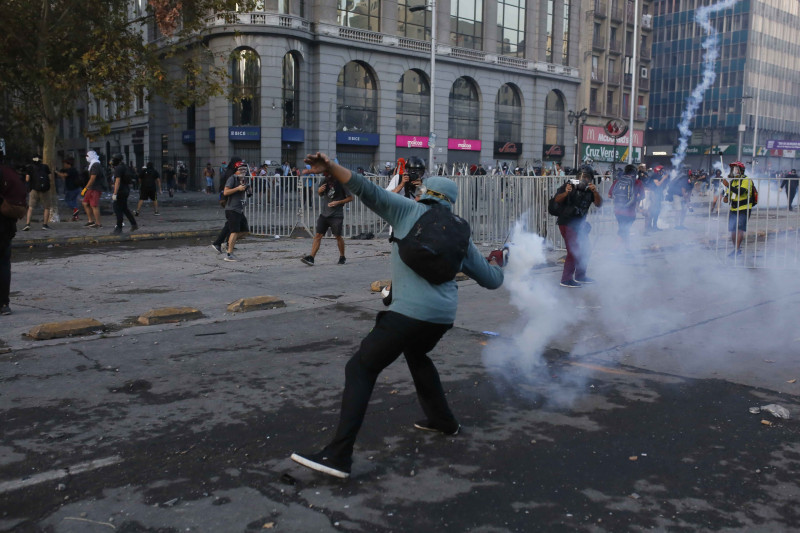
[(658, 168), (738, 164)]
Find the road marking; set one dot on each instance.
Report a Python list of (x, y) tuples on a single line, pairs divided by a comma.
[(16, 484), (604, 369)]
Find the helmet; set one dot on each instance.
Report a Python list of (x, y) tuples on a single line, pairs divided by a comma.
[(738, 164), (415, 163), (586, 169), (116, 159), (658, 168)]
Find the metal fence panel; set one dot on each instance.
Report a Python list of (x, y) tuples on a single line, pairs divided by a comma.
[(772, 239)]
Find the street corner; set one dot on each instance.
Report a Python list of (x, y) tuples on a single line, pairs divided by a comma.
[(66, 328), (165, 315), (255, 303)]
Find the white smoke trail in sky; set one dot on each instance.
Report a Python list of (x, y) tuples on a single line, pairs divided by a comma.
[(711, 47)]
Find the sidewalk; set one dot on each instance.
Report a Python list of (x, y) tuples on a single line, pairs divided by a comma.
[(190, 214)]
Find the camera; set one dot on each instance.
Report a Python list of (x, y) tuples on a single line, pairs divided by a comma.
[(579, 185)]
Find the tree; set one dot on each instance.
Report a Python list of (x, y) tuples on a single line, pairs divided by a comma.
[(55, 52)]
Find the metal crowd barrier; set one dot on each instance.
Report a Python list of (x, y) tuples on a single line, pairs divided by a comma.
[(289, 206)]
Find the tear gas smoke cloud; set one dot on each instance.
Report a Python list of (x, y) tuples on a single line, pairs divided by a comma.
[(681, 311), (710, 56)]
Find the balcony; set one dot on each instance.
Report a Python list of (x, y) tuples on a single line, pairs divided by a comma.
[(612, 110), (595, 108), (628, 80), (628, 49), (614, 78), (645, 53), (599, 9), (644, 84), (597, 76), (615, 46), (598, 42), (616, 13)]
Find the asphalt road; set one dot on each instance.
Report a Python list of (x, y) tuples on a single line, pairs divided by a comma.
[(635, 415)]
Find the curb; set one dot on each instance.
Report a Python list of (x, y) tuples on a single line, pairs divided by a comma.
[(110, 239)]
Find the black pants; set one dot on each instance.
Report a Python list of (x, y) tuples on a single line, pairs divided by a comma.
[(121, 207), (222, 238), (5, 271), (791, 192), (392, 335)]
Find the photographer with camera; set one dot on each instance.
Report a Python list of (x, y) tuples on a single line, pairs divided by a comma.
[(411, 179), (237, 189), (573, 200)]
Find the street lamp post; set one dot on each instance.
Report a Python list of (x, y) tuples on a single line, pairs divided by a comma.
[(432, 135), (579, 118), (742, 126)]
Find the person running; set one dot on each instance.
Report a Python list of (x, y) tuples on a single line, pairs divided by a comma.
[(421, 313)]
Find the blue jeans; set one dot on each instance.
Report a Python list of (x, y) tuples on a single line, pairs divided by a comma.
[(72, 198)]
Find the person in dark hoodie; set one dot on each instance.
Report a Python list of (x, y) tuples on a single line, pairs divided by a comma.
[(419, 315)]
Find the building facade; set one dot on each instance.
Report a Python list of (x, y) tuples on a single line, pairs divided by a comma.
[(752, 103), (354, 79), (615, 52)]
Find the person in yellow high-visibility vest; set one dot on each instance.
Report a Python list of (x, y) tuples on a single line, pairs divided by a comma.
[(740, 193)]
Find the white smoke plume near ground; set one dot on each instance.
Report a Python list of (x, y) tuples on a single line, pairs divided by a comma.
[(677, 310), (710, 56), (516, 360)]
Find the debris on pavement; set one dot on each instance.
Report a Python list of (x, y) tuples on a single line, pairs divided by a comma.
[(775, 410)]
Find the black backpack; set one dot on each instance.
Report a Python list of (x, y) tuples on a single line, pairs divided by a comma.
[(436, 245), (40, 178)]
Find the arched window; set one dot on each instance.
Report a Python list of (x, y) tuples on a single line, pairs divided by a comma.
[(554, 118), (508, 115), (464, 110), (246, 87), (291, 91), (413, 104), (356, 99)]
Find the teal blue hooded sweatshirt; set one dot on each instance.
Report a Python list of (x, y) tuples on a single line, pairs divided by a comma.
[(412, 295)]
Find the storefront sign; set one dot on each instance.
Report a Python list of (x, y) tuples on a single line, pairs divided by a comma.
[(292, 135), (244, 133), (188, 137), (507, 148), (598, 135), (464, 144), (783, 145), (408, 141), (552, 152), (604, 153), (361, 139)]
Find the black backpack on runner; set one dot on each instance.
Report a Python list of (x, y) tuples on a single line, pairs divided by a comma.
[(436, 245), (625, 191), (40, 178)]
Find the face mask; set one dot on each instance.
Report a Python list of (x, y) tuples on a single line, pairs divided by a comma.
[(736, 171)]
